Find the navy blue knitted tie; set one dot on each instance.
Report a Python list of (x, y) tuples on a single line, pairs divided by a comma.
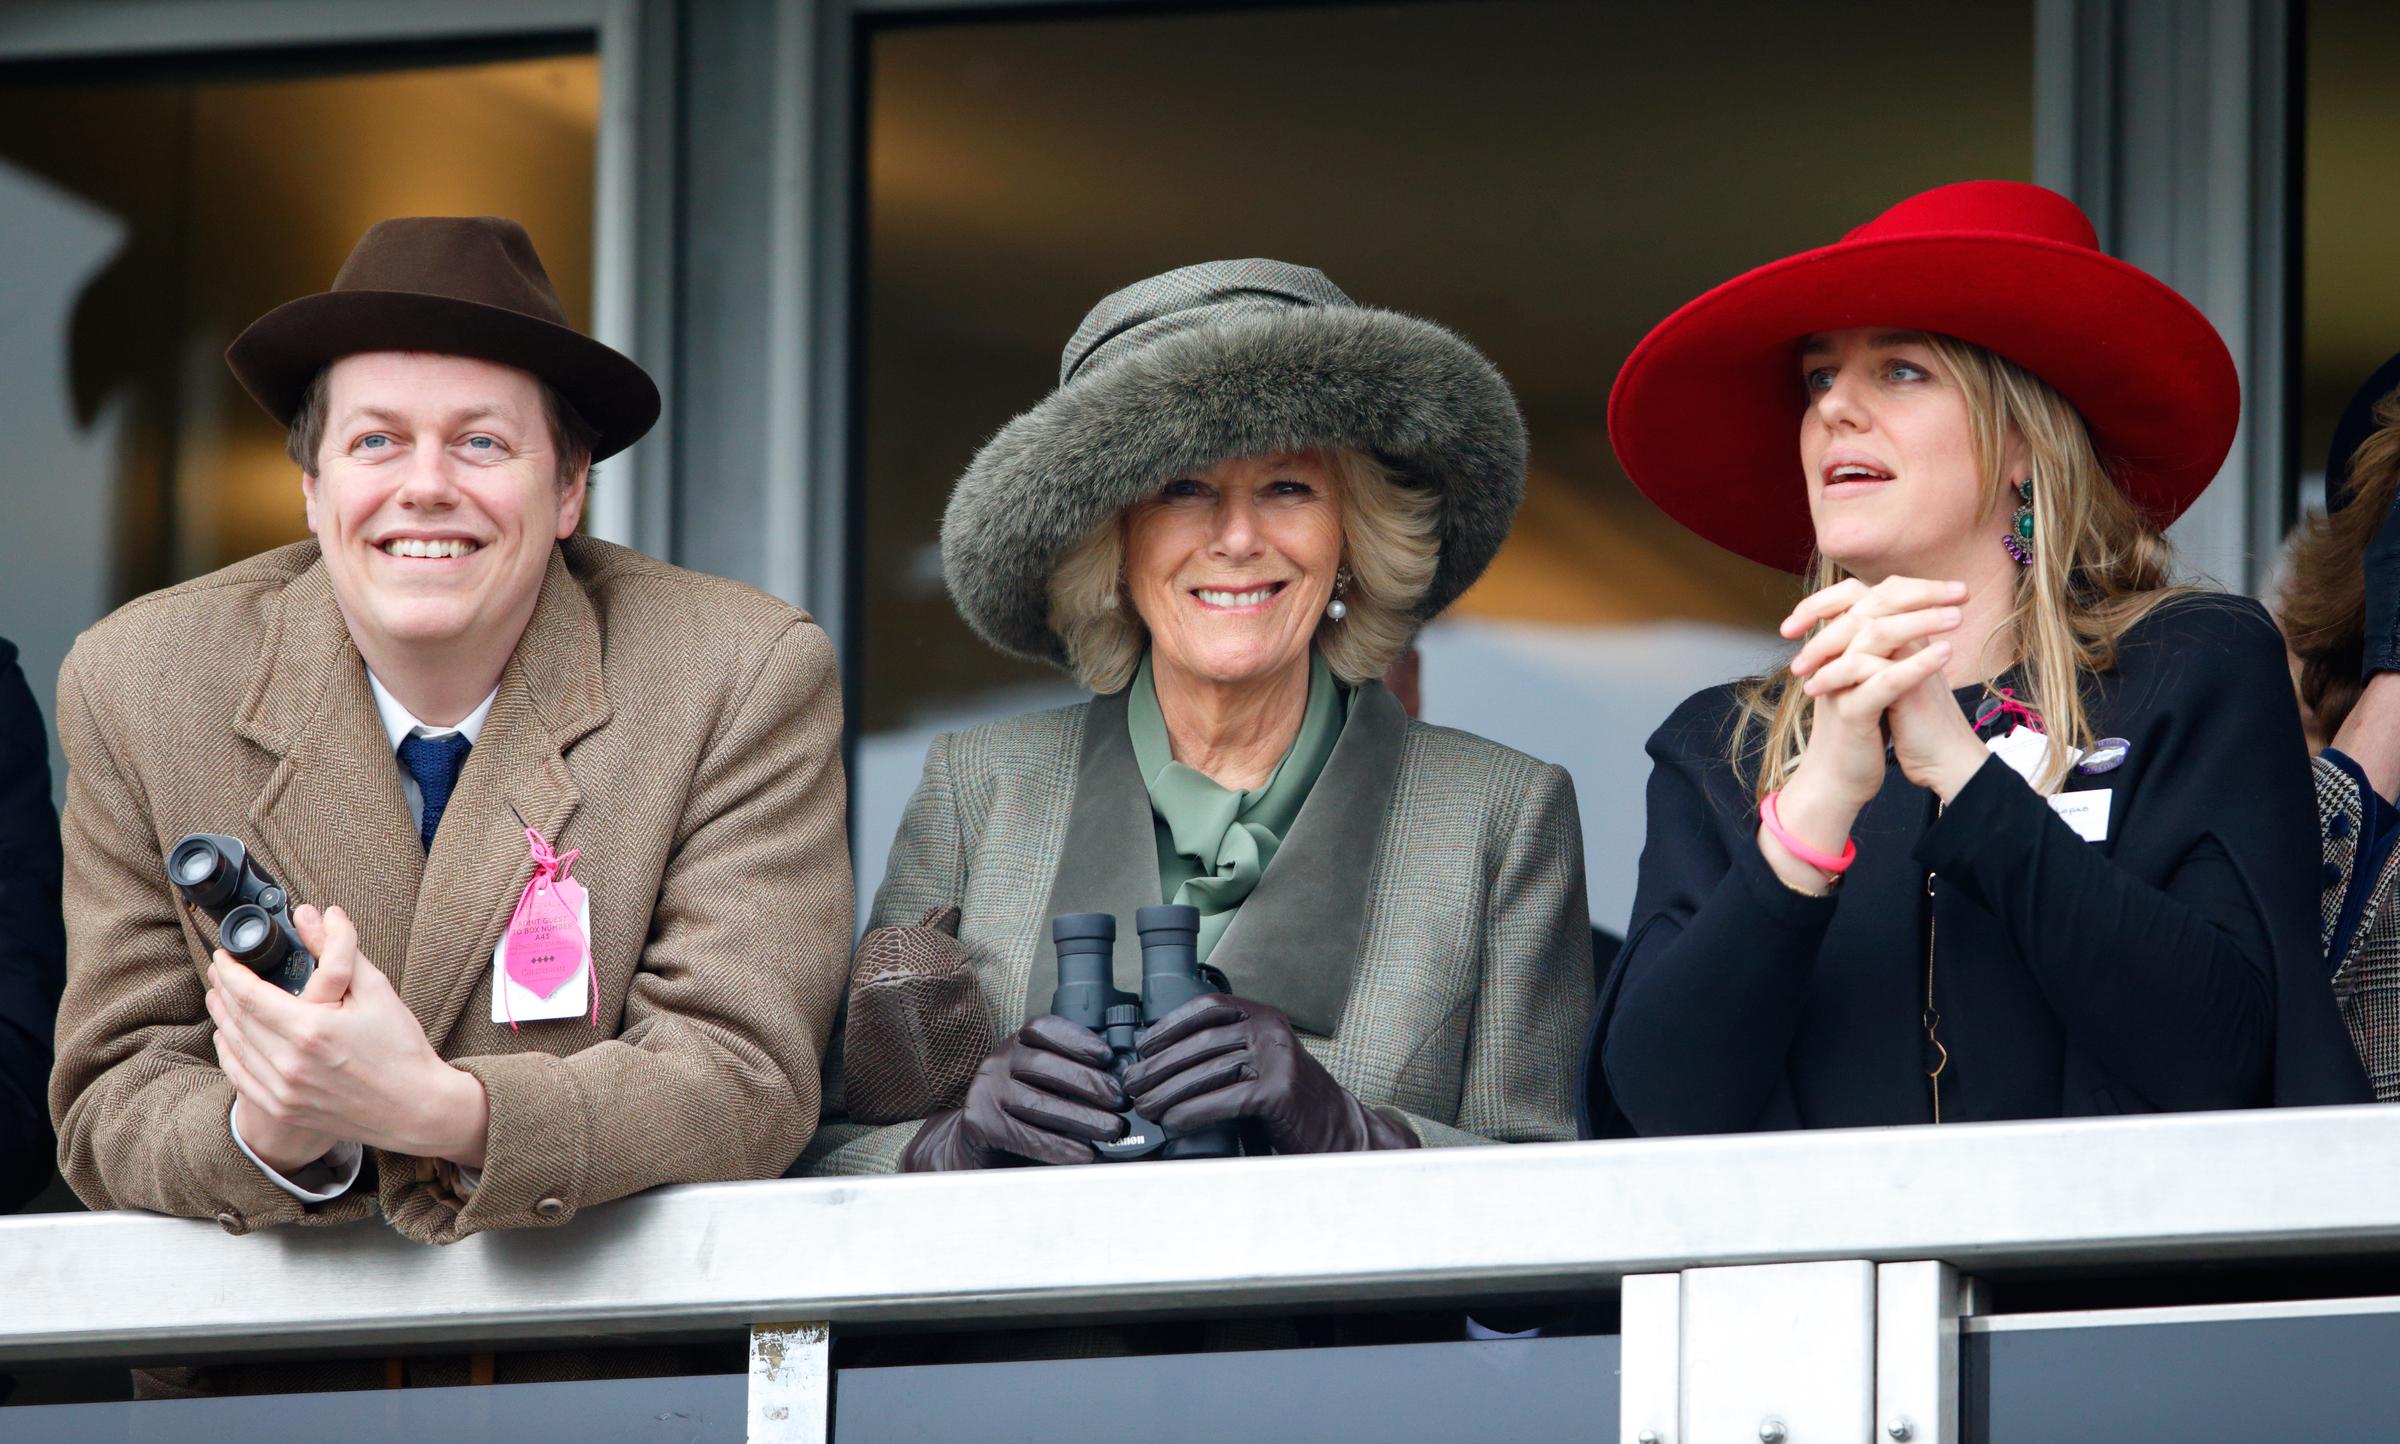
[(435, 763)]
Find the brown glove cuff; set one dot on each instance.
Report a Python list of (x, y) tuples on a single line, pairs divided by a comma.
[(939, 1147), (917, 1026)]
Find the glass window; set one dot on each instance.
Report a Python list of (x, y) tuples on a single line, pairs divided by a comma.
[(1548, 177), (2350, 210), (150, 216)]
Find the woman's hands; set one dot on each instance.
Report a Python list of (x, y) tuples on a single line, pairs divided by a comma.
[(1044, 1096), (1219, 1059), (1874, 669)]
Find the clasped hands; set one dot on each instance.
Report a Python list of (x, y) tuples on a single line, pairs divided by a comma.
[(344, 1061), (1874, 670), (1046, 1095)]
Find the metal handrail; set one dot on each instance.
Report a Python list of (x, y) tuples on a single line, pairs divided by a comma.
[(1216, 1238)]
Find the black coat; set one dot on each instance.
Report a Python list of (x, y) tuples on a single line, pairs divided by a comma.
[(33, 942), (2172, 966)]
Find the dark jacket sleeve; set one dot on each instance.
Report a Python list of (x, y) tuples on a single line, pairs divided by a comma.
[(2169, 988), (2183, 961), (1699, 1013), (33, 943)]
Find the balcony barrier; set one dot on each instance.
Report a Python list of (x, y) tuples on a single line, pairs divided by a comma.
[(1777, 1287)]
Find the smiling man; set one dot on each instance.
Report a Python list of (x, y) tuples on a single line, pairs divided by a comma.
[(444, 699)]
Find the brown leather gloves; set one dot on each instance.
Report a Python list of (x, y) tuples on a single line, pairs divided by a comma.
[(1044, 1096), (1220, 1058)]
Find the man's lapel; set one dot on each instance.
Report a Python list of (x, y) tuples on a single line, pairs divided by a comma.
[(551, 695), (332, 819)]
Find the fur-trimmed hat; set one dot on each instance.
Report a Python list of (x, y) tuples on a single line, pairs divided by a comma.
[(1225, 359)]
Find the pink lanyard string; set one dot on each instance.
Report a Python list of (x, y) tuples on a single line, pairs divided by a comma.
[(2004, 703)]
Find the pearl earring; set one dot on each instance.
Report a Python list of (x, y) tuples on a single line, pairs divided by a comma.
[(1337, 609)]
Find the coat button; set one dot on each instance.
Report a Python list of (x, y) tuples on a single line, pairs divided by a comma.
[(2339, 827), (2331, 875), (551, 1207), (232, 1222)]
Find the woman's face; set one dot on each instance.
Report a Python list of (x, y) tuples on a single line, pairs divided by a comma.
[(1230, 568), (1893, 486)]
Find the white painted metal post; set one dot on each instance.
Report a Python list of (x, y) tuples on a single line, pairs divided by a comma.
[(791, 1384), (1649, 1359), (1917, 1307), (1780, 1353)]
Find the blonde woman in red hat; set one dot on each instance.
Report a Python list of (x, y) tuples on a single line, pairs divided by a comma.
[(2021, 829)]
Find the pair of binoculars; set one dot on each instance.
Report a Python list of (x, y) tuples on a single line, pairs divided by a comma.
[(1172, 975), (253, 914)]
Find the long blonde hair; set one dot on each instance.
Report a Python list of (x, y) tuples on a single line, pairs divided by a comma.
[(2099, 566)]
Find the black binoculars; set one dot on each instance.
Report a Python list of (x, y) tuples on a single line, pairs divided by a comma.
[(1172, 975), (252, 912)]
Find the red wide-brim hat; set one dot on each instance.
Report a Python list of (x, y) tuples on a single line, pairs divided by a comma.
[(1705, 415)]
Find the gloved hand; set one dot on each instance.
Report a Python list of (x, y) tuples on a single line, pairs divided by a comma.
[(1219, 1058), (1044, 1096), (2381, 566)]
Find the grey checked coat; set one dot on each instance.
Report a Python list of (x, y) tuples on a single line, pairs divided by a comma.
[(1423, 925), (2366, 979)]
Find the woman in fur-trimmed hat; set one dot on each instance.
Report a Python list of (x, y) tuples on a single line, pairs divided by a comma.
[(1242, 501)]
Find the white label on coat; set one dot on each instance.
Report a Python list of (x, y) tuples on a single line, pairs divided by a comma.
[(2086, 812), (510, 999), (2025, 750)]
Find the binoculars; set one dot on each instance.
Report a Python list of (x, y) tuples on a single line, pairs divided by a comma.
[(1172, 975), (253, 913)]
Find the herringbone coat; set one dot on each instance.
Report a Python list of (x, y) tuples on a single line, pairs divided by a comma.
[(681, 730), (1424, 924), (2366, 977)]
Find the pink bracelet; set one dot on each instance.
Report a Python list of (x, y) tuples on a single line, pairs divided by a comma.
[(1823, 862)]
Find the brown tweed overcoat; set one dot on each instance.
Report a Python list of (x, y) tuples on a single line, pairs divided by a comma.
[(1423, 924), (681, 730)]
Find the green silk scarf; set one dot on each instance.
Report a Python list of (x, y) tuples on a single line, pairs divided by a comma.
[(1214, 844)]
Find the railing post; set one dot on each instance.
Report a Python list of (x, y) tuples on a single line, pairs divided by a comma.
[(1772, 1352), (1917, 1307), (791, 1384), (1650, 1358)]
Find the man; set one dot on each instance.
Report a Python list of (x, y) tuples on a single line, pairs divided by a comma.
[(32, 949), (399, 719)]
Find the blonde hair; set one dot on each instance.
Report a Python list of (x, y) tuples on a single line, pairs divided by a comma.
[(2099, 566), (2322, 604), (1391, 542)]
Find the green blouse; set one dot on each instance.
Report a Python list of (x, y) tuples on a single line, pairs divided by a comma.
[(1214, 843)]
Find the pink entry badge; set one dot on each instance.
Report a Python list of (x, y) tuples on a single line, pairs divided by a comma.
[(542, 968)]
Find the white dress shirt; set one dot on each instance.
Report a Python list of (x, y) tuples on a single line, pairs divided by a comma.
[(332, 1176)]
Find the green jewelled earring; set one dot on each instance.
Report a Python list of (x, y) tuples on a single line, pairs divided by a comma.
[(2019, 537)]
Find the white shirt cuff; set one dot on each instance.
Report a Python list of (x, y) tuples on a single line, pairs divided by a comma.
[(469, 1179), (320, 1182)]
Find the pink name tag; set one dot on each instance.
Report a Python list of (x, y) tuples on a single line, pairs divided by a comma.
[(545, 945), (542, 968)]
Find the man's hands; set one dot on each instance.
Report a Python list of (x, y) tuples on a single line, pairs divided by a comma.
[(345, 1060)]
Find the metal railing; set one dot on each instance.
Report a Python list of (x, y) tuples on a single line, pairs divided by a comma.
[(1680, 1226)]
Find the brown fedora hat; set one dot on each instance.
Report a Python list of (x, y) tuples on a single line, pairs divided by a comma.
[(456, 286)]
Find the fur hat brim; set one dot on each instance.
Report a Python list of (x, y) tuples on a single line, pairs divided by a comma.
[(1406, 391)]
